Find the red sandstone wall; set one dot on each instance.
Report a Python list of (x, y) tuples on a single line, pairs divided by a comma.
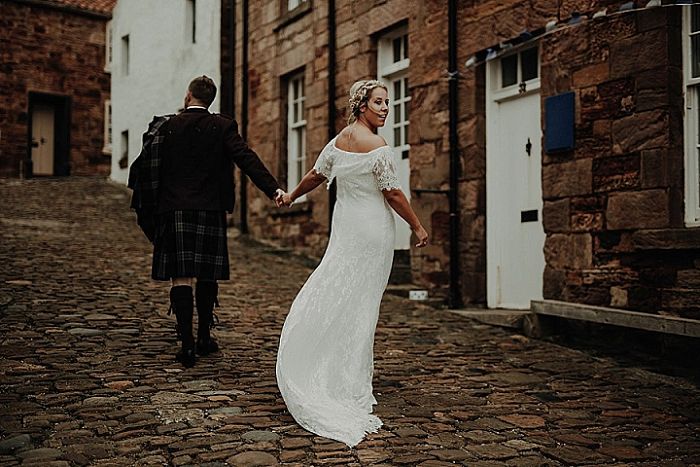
[(54, 52)]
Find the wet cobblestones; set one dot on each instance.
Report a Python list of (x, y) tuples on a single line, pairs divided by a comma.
[(87, 374)]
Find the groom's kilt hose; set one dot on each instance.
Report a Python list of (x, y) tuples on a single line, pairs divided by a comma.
[(190, 244)]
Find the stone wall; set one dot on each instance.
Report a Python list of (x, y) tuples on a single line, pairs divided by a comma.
[(614, 206), (54, 52)]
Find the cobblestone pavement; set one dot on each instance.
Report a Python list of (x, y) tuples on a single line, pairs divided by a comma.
[(87, 374)]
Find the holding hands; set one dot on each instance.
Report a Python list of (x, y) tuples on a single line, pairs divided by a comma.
[(282, 198)]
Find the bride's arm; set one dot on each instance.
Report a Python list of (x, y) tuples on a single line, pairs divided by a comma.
[(398, 202), (311, 180)]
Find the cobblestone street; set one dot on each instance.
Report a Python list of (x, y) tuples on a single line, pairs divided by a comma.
[(88, 375)]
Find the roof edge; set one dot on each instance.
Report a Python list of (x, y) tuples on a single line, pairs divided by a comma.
[(67, 8)]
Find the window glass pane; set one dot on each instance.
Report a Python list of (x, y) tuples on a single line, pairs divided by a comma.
[(509, 70), (528, 60), (301, 87), (695, 19), (295, 117), (405, 134), (397, 90), (405, 87), (405, 46), (397, 49), (695, 55), (301, 110), (397, 136), (397, 113), (405, 111)]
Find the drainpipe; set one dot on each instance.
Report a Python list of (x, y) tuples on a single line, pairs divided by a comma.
[(244, 116), (454, 298), (230, 104), (331, 97)]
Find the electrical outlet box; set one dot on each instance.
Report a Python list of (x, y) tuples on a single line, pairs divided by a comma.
[(418, 294)]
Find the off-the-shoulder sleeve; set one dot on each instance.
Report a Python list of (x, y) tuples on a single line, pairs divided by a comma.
[(324, 163), (385, 171)]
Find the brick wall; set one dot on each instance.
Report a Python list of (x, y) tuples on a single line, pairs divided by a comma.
[(53, 52)]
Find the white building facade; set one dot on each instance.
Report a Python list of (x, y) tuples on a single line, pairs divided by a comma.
[(156, 48)]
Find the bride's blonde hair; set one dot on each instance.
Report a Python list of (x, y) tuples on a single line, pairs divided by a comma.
[(359, 95)]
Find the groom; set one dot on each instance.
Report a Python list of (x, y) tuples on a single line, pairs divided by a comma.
[(183, 186)]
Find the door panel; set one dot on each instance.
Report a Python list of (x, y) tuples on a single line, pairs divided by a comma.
[(43, 140), (515, 235)]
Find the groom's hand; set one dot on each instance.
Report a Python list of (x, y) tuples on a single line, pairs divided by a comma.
[(279, 196)]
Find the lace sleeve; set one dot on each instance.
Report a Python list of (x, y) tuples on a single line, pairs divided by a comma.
[(324, 163), (385, 172)]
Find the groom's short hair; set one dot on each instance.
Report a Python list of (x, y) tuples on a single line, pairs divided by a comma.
[(203, 89)]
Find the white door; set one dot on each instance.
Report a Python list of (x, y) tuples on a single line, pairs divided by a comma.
[(43, 140), (514, 232)]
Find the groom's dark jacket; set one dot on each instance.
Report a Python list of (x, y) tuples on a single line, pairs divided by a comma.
[(186, 163)]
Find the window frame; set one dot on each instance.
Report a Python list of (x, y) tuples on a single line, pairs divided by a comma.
[(691, 157), (390, 72), (520, 87), (296, 132)]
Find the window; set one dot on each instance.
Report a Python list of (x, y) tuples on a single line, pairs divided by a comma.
[(108, 46), (292, 4), (108, 128), (519, 68), (124, 161), (125, 54), (393, 65), (691, 72), (296, 132), (190, 21)]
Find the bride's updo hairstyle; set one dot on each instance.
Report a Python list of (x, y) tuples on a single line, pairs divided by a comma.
[(359, 95)]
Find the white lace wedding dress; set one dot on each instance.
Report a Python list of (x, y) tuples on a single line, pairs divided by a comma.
[(325, 359)]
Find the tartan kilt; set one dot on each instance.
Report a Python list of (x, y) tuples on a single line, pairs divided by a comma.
[(190, 244)]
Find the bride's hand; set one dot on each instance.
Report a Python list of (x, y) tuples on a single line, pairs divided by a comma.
[(422, 236), (287, 200)]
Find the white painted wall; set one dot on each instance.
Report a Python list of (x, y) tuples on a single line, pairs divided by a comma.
[(162, 62)]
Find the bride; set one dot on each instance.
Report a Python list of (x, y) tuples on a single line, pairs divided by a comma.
[(325, 358)]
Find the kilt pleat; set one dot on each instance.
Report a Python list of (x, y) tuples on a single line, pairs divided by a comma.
[(190, 244)]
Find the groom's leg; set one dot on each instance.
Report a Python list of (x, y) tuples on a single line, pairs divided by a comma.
[(182, 302), (206, 298)]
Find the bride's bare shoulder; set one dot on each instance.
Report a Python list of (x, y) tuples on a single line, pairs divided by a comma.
[(360, 142)]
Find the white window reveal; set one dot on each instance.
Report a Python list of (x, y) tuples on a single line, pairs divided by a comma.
[(292, 4), (392, 69), (124, 160), (125, 55), (691, 72), (108, 46), (191, 21), (107, 149), (296, 132)]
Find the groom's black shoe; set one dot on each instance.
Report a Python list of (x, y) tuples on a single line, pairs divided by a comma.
[(206, 299), (183, 304)]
